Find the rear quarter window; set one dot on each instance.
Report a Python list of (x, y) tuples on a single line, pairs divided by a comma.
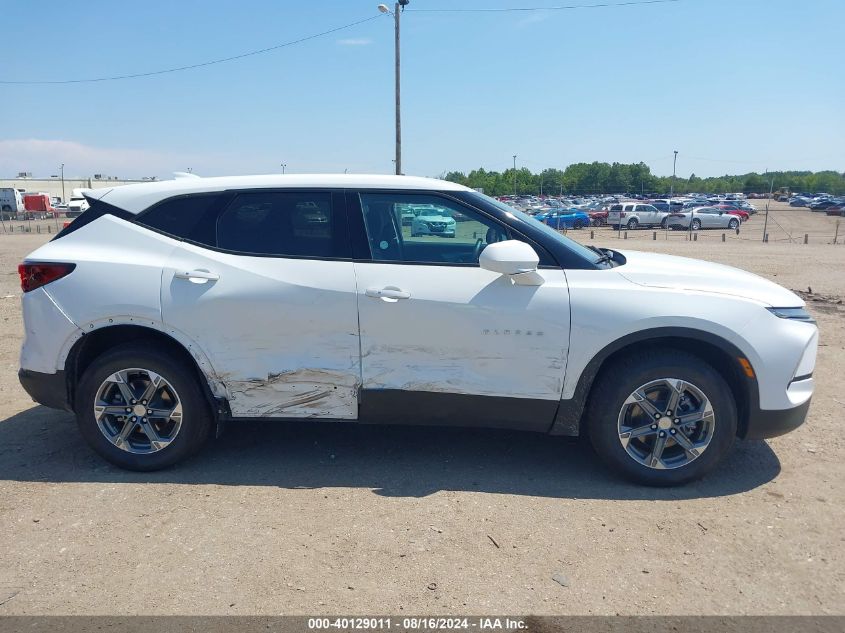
[(180, 217)]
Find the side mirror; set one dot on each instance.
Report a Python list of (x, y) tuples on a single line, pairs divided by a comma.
[(512, 258)]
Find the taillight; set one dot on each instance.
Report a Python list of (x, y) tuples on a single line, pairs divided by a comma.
[(622, 214), (36, 275)]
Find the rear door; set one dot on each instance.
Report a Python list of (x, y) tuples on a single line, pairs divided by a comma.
[(445, 341), (265, 287)]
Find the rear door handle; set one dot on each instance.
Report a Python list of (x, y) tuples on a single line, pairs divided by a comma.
[(198, 276), (388, 293)]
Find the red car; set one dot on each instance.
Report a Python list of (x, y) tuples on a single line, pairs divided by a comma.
[(837, 209), (743, 215), (598, 218)]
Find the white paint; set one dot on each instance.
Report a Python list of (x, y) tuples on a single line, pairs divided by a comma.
[(276, 330), (463, 330)]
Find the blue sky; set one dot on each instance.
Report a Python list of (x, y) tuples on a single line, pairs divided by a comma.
[(733, 85)]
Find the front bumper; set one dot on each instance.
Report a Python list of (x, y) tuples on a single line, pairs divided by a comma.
[(47, 389), (766, 423)]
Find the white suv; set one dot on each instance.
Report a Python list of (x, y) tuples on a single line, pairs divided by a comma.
[(632, 215), (169, 308)]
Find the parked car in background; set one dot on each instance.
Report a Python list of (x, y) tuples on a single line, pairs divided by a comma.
[(433, 220), (598, 218), (821, 205), (634, 215), (704, 218), (564, 219), (729, 208), (837, 209)]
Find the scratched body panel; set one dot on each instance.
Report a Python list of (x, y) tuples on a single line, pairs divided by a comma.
[(281, 334)]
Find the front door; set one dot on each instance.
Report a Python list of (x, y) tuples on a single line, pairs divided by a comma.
[(271, 302), (444, 340)]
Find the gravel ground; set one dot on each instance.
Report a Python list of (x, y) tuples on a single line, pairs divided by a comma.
[(312, 518)]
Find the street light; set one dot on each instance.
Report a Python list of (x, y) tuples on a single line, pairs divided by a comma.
[(397, 9), (672, 186), (63, 182), (283, 168)]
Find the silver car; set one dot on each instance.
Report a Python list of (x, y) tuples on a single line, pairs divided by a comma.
[(703, 218)]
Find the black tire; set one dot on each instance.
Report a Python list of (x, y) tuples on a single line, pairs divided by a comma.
[(733, 224), (696, 225), (632, 224), (615, 384), (196, 422), (665, 223)]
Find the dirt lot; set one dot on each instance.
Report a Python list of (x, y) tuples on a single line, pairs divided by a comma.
[(312, 518)]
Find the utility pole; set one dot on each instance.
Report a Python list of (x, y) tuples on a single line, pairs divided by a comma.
[(63, 182), (396, 13), (514, 174), (397, 9), (766, 221)]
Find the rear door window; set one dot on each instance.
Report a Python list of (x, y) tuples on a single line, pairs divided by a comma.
[(282, 224)]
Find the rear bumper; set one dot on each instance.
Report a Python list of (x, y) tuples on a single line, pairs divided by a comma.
[(764, 423), (47, 389)]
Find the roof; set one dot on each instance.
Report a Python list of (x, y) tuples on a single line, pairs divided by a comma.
[(136, 198)]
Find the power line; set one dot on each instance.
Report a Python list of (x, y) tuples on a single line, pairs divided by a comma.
[(199, 65), (315, 36), (558, 8)]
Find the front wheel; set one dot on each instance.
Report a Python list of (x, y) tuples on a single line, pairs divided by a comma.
[(579, 224), (665, 223), (142, 409), (661, 418), (733, 224), (632, 224)]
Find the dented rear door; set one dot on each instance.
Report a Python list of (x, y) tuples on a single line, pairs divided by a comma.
[(271, 303)]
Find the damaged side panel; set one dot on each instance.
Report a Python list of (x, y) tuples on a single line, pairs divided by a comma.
[(281, 333), (305, 393)]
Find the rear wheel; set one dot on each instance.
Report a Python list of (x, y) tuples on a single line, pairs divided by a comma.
[(661, 418), (632, 224), (142, 409)]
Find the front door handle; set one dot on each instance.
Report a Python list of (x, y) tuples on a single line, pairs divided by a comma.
[(388, 293), (198, 276)]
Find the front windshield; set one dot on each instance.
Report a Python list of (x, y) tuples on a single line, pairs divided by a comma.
[(571, 244)]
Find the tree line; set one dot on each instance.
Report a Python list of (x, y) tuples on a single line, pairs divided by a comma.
[(594, 178)]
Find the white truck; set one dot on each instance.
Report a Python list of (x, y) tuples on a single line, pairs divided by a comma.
[(78, 204), (11, 203)]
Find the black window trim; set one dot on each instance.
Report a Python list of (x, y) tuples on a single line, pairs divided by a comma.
[(362, 252)]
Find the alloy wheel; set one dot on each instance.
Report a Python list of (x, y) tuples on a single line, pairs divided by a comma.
[(138, 411), (666, 423)]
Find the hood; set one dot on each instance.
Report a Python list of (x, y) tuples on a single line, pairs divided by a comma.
[(681, 273)]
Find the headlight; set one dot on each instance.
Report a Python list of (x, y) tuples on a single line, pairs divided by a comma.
[(795, 314)]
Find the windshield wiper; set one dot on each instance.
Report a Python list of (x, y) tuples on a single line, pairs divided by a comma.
[(603, 256)]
